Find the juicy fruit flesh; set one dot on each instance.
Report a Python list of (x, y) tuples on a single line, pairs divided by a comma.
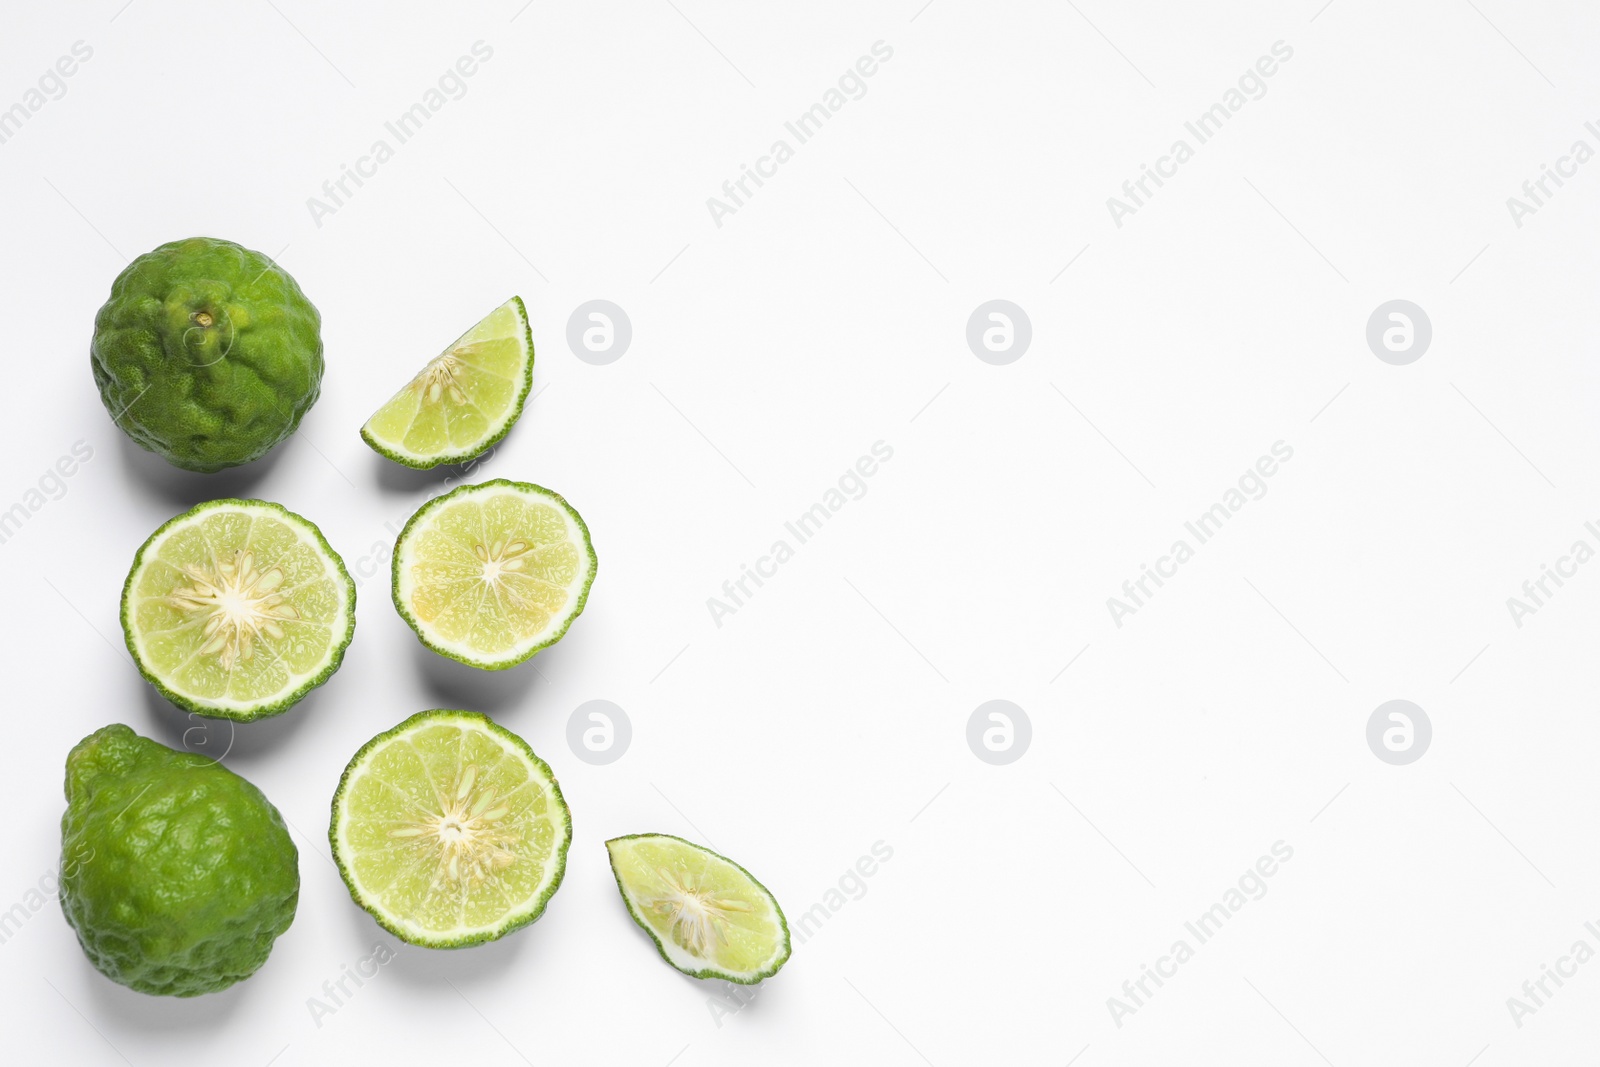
[(493, 571), (447, 830), (705, 911), (237, 607), (463, 397), (176, 873)]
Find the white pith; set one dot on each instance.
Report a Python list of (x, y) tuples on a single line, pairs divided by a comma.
[(239, 603), (238, 608), (439, 378), (496, 558), (469, 832), (696, 919)]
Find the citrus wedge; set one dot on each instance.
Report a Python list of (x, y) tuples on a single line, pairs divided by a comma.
[(489, 574), (237, 608), (708, 916), (449, 830), (464, 400)]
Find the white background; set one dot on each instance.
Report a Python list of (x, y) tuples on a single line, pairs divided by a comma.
[(769, 353)]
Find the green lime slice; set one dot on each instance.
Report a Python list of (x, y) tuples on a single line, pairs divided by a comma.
[(490, 574), (449, 830), (237, 608), (708, 916), (464, 400)]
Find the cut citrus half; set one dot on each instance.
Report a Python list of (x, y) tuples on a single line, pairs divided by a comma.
[(708, 916), (464, 400), (489, 574), (449, 830), (237, 608)]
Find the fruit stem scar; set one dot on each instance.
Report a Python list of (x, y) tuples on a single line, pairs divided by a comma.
[(202, 318)]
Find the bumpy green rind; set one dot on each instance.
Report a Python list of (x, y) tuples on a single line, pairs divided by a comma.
[(777, 964), (207, 397), (512, 922), (268, 708), (414, 463), (489, 665), (177, 874)]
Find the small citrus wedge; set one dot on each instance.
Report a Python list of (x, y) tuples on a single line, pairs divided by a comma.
[(465, 400), (708, 916)]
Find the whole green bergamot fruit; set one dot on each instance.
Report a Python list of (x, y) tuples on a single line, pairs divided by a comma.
[(176, 873), (207, 353)]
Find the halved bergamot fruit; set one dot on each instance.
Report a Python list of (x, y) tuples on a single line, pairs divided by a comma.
[(237, 608), (490, 574), (708, 916), (449, 830), (464, 400)]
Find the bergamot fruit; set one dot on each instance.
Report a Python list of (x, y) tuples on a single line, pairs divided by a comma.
[(176, 873), (449, 830), (237, 608), (207, 353), (465, 400), (490, 574), (708, 916)]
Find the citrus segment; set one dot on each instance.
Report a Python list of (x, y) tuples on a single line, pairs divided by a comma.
[(464, 400), (449, 830), (708, 916), (237, 608)]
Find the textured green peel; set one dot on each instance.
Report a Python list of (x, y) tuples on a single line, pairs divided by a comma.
[(207, 353), (176, 873)]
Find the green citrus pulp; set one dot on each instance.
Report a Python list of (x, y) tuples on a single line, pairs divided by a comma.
[(490, 574), (449, 830), (237, 609), (464, 400), (708, 916)]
